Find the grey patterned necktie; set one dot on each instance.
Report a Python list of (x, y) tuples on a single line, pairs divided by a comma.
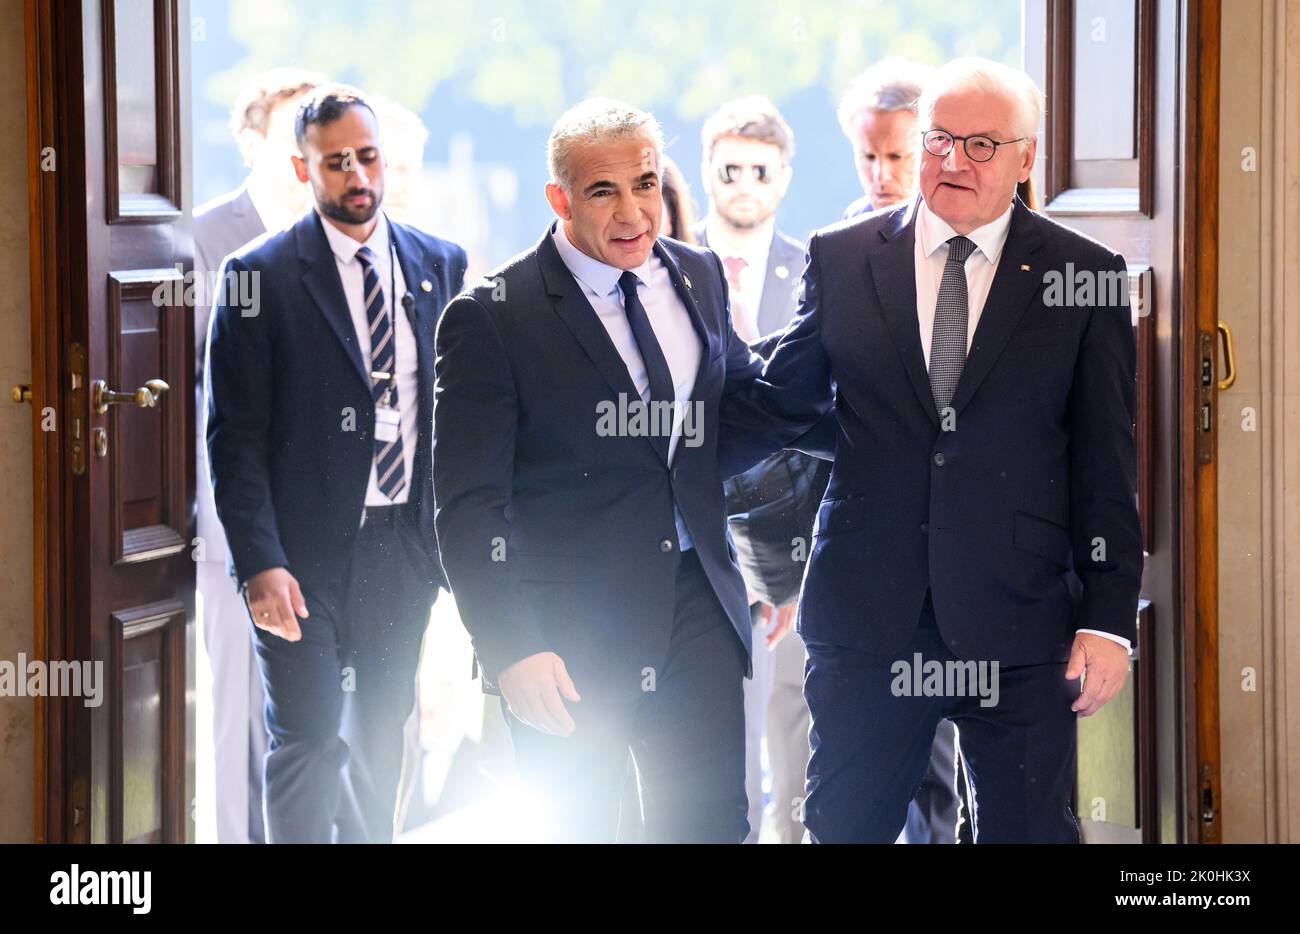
[(951, 315)]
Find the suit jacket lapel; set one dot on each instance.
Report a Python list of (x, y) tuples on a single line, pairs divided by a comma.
[(417, 268), (775, 307), (321, 280), (893, 269), (581, 319), (1014, 285)]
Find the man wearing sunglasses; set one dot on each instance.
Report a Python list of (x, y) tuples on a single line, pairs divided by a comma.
[(981, 517), (748, 150)]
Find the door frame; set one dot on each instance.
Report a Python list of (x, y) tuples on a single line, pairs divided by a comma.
[(1199, 512), (48, 229)]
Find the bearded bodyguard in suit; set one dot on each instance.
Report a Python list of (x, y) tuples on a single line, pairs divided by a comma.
[(748, 166), (580, 503), (320, 439), (981, 515), (270, 198)]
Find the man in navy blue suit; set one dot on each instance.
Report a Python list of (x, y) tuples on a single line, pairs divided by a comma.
[(978, 548), (579, 500), (320, 437)]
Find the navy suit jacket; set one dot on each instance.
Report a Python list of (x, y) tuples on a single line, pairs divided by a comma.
[(553, 537), (290, 414), (1021, 520)]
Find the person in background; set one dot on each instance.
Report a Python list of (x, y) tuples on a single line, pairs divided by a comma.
[(679, 207), (748, 152), (269, 198), (320, 437), (878, 116)]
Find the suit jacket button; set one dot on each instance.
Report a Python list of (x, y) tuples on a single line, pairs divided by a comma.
[(925, 526), (666, 545), (938, 459)]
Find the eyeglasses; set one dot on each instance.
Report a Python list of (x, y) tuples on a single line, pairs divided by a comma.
[(978, 148), (730, 173)]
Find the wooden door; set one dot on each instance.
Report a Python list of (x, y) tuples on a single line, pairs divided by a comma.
[(117, 363), (1121, 159)]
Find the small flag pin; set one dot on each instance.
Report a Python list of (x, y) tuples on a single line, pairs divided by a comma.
[(427, 286), (1024, 268)]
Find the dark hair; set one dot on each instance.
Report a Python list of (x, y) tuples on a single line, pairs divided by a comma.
[(677, 203), (325, 106)]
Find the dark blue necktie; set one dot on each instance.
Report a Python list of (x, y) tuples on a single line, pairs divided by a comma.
[(656, 366), (390, 467)]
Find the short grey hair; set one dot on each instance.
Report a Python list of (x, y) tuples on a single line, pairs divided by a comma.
[(597, 120), (889, 85), (987, 75)]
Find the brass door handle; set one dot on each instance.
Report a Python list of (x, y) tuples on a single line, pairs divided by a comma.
[(21, 393), (146, 397), (1229, 356)]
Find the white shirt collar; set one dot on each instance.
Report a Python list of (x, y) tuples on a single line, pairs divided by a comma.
[(720, 241), (345, 248), (601, 278), (933, 232)]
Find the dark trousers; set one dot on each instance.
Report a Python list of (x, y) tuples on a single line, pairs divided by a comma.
[(686, 738), (871, 747), (337, 701)]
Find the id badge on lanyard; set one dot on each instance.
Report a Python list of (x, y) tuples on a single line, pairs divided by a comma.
[(388, 422)]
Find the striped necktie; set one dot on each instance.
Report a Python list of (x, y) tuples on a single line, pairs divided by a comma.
[(390, 466), (951, 317)]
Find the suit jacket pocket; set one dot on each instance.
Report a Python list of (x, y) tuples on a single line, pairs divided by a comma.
[(1043, 538), (842, 514)]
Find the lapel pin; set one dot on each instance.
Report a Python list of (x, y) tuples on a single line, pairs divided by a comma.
[(687, 280), (782, 272), (427, 286), (1024, 268)]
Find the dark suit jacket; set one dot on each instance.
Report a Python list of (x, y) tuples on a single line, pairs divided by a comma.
[(553, 537), (772, 505), (1000, 518), (288, 477), (221, 227)]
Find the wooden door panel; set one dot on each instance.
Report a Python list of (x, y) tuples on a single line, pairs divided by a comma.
[(148, 723), (146, 330), (128, 762)]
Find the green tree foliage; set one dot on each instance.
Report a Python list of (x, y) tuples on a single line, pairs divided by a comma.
[(533, 58)]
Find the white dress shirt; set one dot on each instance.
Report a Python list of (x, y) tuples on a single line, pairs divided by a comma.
[(931, 255), (668, 318), (352, 276), (754, 276)]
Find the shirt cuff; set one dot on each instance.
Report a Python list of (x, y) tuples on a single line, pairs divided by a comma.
[(1112, 637)]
